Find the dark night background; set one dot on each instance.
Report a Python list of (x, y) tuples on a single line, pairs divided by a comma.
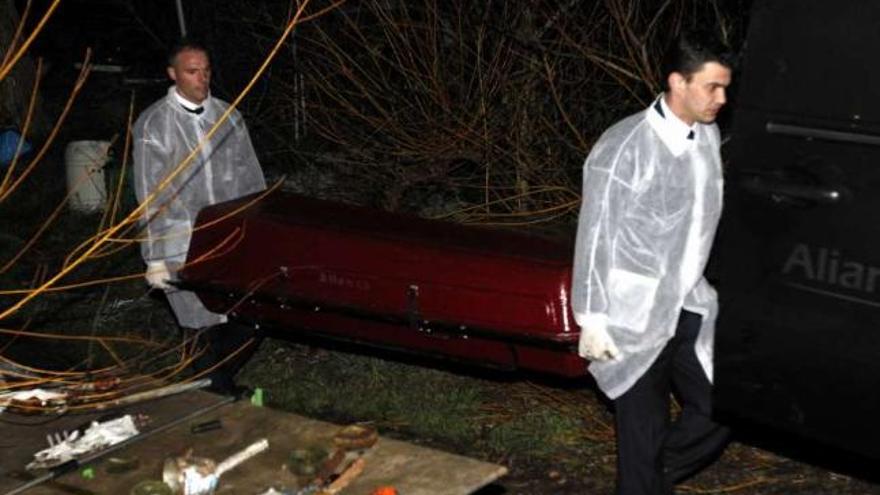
[(477, 112), (400, 105)]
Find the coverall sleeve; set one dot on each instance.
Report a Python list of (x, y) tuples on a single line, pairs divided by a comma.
[(164, 218), (249, 156), (607, 192), (247, 159)]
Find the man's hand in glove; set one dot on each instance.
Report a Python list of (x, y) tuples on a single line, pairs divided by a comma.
[(157, 275), (595, 344)]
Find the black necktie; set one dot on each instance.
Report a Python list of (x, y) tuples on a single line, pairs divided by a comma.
[(691, 135), (196, 111)]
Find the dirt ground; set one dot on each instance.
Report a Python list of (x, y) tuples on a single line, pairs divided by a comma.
[(742, 469), (589, 468)]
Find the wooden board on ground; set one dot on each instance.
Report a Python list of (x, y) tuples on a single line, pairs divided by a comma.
[(412, 469)]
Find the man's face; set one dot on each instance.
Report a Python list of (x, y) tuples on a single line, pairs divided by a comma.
[(191, 72), (700, 97)]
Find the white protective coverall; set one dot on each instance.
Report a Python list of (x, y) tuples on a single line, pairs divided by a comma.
[(226, 168), (651, 204)]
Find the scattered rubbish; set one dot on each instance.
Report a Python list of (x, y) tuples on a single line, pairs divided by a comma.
[(206, 426), (119, 465), (356, 437), (57, 400), (175, 388), (58, 437), (33, 400), (88, 473), (73, 464), (273, 491), (9, 146), (257, 397), (101, 385), (75, 444), (42, 401), (329, 479), (151, 487), (307, 461), (345, 478), (188, 475)]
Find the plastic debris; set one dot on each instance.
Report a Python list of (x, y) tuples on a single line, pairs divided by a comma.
[(273, 491), (190, 475), (36, 397), (257, 397), (96, 437), (9, 140)]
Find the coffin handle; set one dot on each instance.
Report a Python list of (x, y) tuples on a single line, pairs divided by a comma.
[(412, 307)]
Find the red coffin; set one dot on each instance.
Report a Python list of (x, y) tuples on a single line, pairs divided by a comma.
[(494, 298)]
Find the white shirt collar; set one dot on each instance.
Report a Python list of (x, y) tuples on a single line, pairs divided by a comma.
[(672, 130), (186, 103)]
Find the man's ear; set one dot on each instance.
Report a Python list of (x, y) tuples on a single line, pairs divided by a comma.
[(676, 81), (171, 74)]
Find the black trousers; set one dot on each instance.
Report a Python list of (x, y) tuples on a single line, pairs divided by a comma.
[(654, 453), (220, 342)]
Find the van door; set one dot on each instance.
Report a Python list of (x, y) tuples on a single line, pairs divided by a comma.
[(798, 342)]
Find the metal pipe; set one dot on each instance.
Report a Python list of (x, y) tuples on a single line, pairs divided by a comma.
[(74, 464), (180, 18)]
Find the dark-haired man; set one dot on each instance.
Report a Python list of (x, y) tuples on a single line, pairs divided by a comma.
[(225, 168), (652, 192)]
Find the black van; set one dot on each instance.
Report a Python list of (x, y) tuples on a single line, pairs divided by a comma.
[(798, 343)]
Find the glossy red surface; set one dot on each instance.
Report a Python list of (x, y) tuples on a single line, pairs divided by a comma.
[(491, 297)]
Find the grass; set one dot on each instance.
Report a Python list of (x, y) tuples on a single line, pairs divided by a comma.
[(456, 410), (555, 437)]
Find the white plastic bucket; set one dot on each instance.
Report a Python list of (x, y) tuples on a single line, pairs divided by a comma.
[(84, 162)]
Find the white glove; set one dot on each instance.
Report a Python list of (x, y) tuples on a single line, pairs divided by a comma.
[(595, 344), (157, 275)]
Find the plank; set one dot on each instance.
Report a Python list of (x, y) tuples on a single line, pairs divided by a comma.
[(412, 469)]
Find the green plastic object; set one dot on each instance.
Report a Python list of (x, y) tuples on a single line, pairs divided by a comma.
[(88, 473), (257, 397)]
